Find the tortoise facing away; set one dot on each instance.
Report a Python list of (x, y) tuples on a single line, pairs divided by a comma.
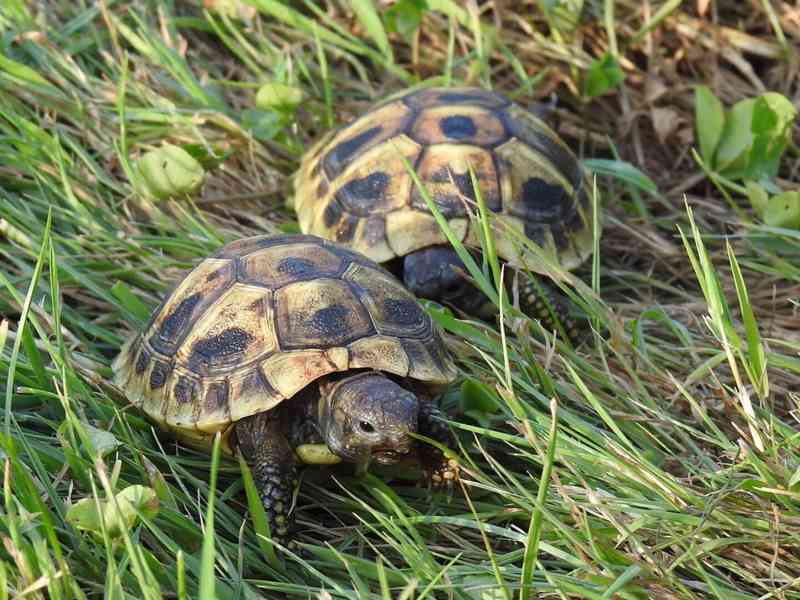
[(353, 187), (281, 341)]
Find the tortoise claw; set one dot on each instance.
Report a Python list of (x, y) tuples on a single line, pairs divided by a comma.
[(443, 475)]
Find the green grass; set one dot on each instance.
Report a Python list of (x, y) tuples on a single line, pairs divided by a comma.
[(660, 459)]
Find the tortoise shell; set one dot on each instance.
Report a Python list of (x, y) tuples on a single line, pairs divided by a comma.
[(259, 320), (354, 187)]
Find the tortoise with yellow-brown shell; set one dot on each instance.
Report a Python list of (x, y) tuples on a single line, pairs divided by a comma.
[(281, 341), (354, 187)]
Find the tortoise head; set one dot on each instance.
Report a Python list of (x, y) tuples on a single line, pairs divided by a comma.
[(368, 416), (437, 273)]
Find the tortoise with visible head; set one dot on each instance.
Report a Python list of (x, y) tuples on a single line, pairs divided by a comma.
[(354, 187), (281, 341)]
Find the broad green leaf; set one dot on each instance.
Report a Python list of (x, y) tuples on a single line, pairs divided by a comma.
[(121, 514), (278, 96), (773, 119), (604, 74), (263, 125), (737, 137), (783, 210), (84, 515), (170, 171), (104, 442), (404, 17), (316, 454), (624, 171), (710, 120), (756, 133), (758, 197), (477, 396), (141, 498)]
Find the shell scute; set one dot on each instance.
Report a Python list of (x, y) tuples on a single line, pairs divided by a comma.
[(444, 170), (234, 331), (365, 133), (290, 371), (281, 265), (463, 125), (393, 311), (321, 313), (198, 290), (380, 183)]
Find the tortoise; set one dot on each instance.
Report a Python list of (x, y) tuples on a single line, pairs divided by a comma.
[(353, 187), (278, 342)]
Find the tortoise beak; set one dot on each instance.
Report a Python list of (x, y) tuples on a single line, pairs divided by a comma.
[(390, 454)]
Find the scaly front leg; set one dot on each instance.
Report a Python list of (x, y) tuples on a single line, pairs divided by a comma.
[(263, 444), (539, 300), (439, 470)]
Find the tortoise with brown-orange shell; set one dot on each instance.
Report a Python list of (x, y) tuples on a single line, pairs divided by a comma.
[(354, 187), (281, 341)]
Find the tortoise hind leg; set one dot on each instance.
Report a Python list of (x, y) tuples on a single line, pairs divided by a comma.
[(539, 300), (264, 446)]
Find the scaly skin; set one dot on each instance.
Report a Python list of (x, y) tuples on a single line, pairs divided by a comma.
[(391, 412), (262, 442), (439, 470), (534, 300)]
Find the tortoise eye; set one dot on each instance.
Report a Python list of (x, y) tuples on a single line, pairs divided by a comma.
[(366, 427)]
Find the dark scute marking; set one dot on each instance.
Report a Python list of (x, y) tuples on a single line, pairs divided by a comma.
[(460, 98), (573, 222), (322, 188), (543, 201), (485, 98), (217, 395), (330, 321), (184, 390), (332, 214), (402, 311), (142, 361), (463, 181), (535, 232), (315, 169), (295, 266), (260, 384), (216, 348), (417, 351), (360, 195), (159, 374), (559, 236), (174, 323), (436, 349), (346, 229), (451, 205), (458, 127), (335, 160)]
